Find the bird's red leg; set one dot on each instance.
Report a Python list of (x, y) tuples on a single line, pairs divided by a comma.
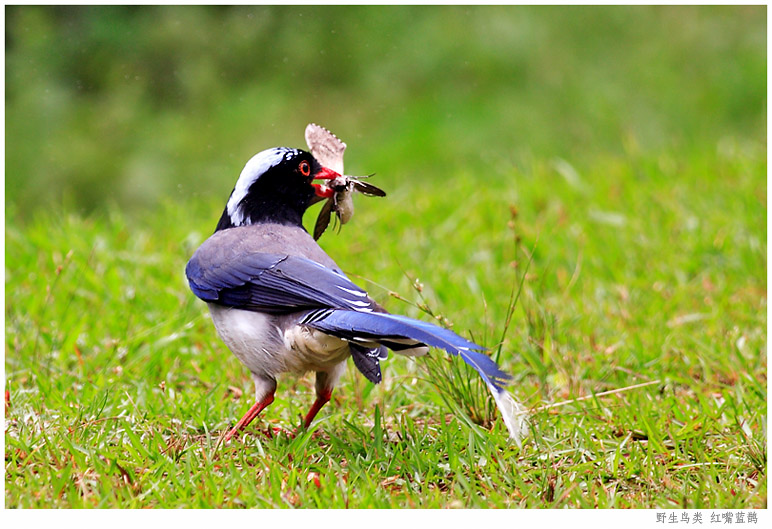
[(323, 397), (248, 417)]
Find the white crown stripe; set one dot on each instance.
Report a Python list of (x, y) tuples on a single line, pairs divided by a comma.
[(254, 169)]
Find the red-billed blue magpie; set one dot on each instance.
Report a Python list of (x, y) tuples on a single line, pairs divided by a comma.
[(282, 305)]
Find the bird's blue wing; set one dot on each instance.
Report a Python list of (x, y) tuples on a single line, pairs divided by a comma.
[(274, 283)]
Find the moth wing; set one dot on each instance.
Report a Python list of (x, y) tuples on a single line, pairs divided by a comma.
[(326, 147), (368, 189), (323, 220)]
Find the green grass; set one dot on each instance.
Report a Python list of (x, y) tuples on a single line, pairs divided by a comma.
[(119, 387), (607, 163)]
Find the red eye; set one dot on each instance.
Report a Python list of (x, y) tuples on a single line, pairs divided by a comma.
[(304, 168)]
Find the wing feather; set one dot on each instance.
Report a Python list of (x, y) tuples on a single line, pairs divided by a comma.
[(274, 283)]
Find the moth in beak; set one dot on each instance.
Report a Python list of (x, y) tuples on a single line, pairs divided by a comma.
[(328, 151)]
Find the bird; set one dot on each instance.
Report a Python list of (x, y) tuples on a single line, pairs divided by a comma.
[(283, 306)]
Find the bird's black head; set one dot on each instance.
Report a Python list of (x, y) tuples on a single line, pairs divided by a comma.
[(275, 186)]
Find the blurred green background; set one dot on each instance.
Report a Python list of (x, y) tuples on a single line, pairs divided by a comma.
[(132, 106), (611, 158)]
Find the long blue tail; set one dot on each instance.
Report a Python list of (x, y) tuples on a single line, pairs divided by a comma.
[(399, 333), (366, 330)]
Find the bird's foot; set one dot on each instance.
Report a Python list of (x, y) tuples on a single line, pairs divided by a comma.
[(303, 428), (253, 412), (272, 431), (269, 432), (233, 432)]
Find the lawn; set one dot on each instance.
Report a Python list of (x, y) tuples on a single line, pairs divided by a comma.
[(605, 165)]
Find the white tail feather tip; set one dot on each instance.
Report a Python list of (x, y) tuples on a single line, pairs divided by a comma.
[(513, 413)]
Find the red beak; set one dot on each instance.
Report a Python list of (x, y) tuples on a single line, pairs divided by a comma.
[(321, 189), (326, 174)]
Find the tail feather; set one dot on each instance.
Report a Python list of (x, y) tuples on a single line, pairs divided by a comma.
[(368, 361), (389, 329), (381, 327), (513, 414)]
